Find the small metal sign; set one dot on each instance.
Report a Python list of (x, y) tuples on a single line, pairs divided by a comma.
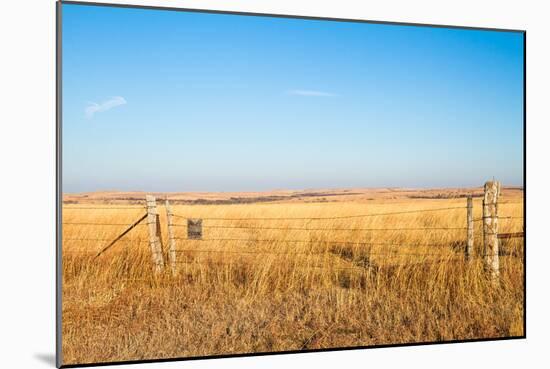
[(194, 229)]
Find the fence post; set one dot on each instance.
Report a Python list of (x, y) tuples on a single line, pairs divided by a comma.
[(159, 233), (490, 228), (154, 239), (171, 238), (470, 227)]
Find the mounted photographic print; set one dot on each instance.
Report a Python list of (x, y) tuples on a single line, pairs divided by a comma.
[(241, 184)]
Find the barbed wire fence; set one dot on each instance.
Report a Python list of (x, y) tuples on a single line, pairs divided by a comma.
[(197, 228), (106, 242)]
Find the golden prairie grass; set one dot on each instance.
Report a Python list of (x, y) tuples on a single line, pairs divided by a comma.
[(269, 285)]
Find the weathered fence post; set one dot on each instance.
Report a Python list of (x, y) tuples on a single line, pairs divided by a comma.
[(470, 228), (159, 233), (490, 228), (154, 238), (171, 238)]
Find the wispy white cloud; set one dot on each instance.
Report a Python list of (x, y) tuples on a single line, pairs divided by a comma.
[(311, 93), (93, 107)]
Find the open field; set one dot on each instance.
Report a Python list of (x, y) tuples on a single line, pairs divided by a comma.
[(293, 281), (284, 196)]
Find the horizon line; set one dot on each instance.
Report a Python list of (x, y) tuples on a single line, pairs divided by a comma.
[(301, 189)]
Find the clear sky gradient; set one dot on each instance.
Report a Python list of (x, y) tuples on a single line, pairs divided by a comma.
[(174, 101)]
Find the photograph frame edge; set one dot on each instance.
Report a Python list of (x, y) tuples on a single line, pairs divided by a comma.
[(59, 194)]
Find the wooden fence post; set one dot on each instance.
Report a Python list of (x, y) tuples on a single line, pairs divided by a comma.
[(490, 228), (171, 238), (470, 228), (159, 233), (154, 239)]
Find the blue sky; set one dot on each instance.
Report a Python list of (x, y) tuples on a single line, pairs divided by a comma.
[(174, 101)]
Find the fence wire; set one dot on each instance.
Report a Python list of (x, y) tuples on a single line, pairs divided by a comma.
[(329, 218), (68, 207), (100, 239), (326, 252), (499, 217), (328, 267), (329, 229), (101, 224), (343, 242)]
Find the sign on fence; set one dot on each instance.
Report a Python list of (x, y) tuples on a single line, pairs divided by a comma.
[(194, 229)]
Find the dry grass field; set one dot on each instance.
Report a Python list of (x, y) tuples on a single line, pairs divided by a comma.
[(276, 284)]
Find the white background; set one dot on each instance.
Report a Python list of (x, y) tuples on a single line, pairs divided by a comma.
[(27, 184)]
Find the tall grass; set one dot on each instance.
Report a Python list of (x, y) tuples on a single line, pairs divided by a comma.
[(387, 283)]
